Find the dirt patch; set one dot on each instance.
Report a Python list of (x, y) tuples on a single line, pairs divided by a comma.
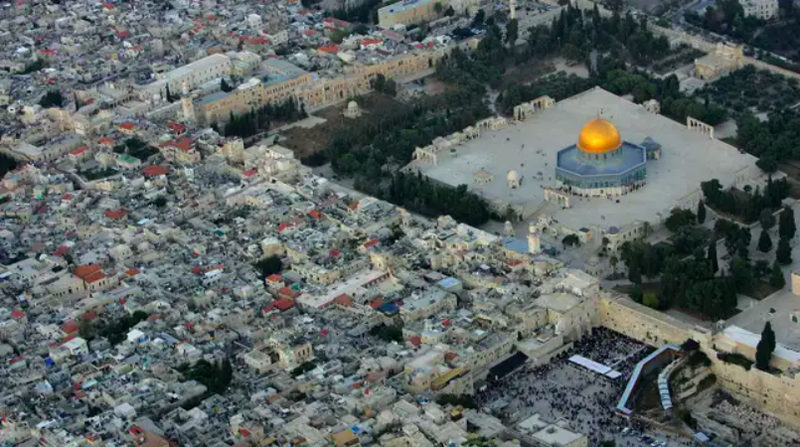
[(305, 142), (526, 73), (647, 287), (792, 170), (761, 290)]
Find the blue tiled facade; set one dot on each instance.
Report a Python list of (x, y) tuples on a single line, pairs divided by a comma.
[(621, 167)]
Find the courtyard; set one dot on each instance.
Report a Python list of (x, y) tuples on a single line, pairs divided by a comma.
[(562, 389), (530, 148)]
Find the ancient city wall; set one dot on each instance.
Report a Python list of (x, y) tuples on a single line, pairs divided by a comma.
[(777, 395), (646, 325)]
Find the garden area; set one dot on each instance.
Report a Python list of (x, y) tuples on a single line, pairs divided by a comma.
[(137, 148), (98, 173), (750, 90), (688, 275), (679, 56)]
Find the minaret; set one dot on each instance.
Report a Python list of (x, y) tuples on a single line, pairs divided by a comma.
[(534, 243), (512, 9), (188, 103)]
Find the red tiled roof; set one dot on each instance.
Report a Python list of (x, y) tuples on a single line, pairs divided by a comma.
[(274, 277), (250, 173), (132, 272), (330, 48), (376, 303), (284, 304), (370, 243), (415, 341), (344, 300), (85, 270), (106, 141), (127, 125), (116, 214), (310, 32), (79, 150), (94, 277), (89, 316), (314, 213), (155, 171), (334, 253), (17, 314), (184, 144), (367, 42), (70, 327), (258, 40), (61, 251)]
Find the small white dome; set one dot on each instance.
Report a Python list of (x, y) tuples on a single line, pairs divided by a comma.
[(512, 176)]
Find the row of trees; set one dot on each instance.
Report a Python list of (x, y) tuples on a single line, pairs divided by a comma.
[(419, 194), (726, 17), (748, 207), (694, 282), (616, 78), (773, 141), (259, 120)]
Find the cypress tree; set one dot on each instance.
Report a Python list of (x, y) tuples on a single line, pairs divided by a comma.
[(776, 278), (701, 212), (765, 347), (764, 242), (786, 225), (712, 256), (783, 255)]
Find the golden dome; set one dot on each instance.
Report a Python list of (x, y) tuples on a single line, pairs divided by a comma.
[(599, 136)]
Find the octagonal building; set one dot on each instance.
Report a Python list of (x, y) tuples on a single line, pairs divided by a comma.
[(601, 163)]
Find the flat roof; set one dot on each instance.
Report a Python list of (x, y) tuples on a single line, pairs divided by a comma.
[(555, 435), (531, 148)]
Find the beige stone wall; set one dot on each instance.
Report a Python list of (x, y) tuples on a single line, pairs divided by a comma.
[(777, 395), (646, 325)]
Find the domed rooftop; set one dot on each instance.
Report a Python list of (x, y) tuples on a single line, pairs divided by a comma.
[(512, 176), (599, 136)]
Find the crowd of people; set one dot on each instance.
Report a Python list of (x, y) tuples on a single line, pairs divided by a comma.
[(560, 389)]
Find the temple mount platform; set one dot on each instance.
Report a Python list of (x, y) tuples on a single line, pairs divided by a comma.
[(517, 164)]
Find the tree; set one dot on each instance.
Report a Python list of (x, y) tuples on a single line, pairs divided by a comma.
[(701, 212), (224, 86), (783, 255), (767, 163), (634, 274), (765, 347), (767, 219), (764, 242), (614, 261), (679, 218), (650, 300), (776, 278), (609, 443), (450, 12), (52, 98), (168, 95), (786, 225), (512, 32), (479, 18), (571, 240), (383, 85), (636, 293), (269, 266), (438, 7), (712, 255), (160, 201)]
